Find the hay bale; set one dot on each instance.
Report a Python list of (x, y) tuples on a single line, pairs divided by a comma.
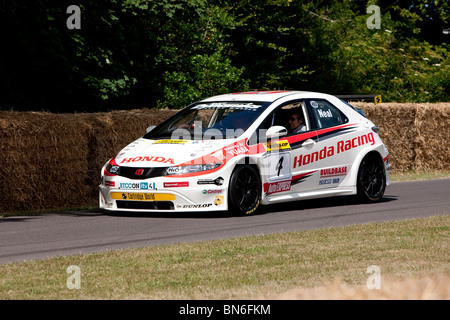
[(396, 123), (432, 144), (416, 134), (43, 160), (54, 160)]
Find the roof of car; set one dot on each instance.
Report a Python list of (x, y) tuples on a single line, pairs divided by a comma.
[(263, 96)]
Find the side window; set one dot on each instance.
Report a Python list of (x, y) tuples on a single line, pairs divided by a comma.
[(325, 114), (293, 116)]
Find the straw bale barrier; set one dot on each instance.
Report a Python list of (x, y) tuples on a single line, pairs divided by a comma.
[(54, 160), (416, 134)]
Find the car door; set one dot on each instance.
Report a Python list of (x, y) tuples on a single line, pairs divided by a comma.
[(332, 127), (281, 175)]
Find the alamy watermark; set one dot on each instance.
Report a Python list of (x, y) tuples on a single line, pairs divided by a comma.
[(374, 21), (74, 20), (374, 280), (74, 280)]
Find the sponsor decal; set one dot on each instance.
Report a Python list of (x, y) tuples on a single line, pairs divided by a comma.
[(324, 181), (110, 183), (224, 105), (237, 148), (138, 185), (220, 200), (279, 186), (330, 172), (194, 206), (329, 181), (147, 158), (277, 145), (212, 191), (219, 181), (171, 141), (176, 184), (173, 170), (142, 196), (329, 151)]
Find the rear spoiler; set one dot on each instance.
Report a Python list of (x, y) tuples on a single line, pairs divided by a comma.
[(375, 98)]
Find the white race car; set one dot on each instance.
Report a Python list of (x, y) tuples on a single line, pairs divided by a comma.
[(239, 151)]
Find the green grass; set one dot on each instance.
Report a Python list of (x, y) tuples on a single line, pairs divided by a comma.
[(419, 175), (242, 268)]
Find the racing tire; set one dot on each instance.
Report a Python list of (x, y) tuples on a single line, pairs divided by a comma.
[(244, 191), (371, 181)]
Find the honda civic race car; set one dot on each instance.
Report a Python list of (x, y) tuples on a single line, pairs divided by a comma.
[(239, 151)]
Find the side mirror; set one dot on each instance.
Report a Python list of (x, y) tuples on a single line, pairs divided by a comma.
[(275, 132), (150, 129)]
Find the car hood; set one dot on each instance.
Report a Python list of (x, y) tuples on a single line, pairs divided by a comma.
[(168, 152)]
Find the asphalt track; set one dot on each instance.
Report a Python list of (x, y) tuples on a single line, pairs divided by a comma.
[(74, 232)]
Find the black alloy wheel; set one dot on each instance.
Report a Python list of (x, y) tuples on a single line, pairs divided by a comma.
[(244, 190), (371, 182)]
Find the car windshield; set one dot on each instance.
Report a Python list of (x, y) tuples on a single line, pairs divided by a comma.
[(209, 120)]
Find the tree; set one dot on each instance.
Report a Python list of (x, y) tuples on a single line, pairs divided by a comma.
[(169, 53)]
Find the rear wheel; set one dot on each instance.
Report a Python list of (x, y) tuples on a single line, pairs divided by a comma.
[(371, 181), (244, 191)]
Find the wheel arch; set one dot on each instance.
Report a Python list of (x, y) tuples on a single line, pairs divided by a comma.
[(370, 183), (249, 161), (358, 161)]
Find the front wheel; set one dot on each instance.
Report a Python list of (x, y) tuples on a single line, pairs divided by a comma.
[(371, 181), (244, 191)]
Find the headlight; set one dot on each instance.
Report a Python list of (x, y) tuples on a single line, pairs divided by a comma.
[(112, 166), (112, 169), (191, 168)]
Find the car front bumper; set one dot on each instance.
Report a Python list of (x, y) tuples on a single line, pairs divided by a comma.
[(163, 194)]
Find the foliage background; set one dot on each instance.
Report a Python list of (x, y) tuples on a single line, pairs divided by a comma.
[(168, 53)]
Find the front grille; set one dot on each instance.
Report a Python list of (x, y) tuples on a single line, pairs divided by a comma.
[(146, 205), (130, 172)]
